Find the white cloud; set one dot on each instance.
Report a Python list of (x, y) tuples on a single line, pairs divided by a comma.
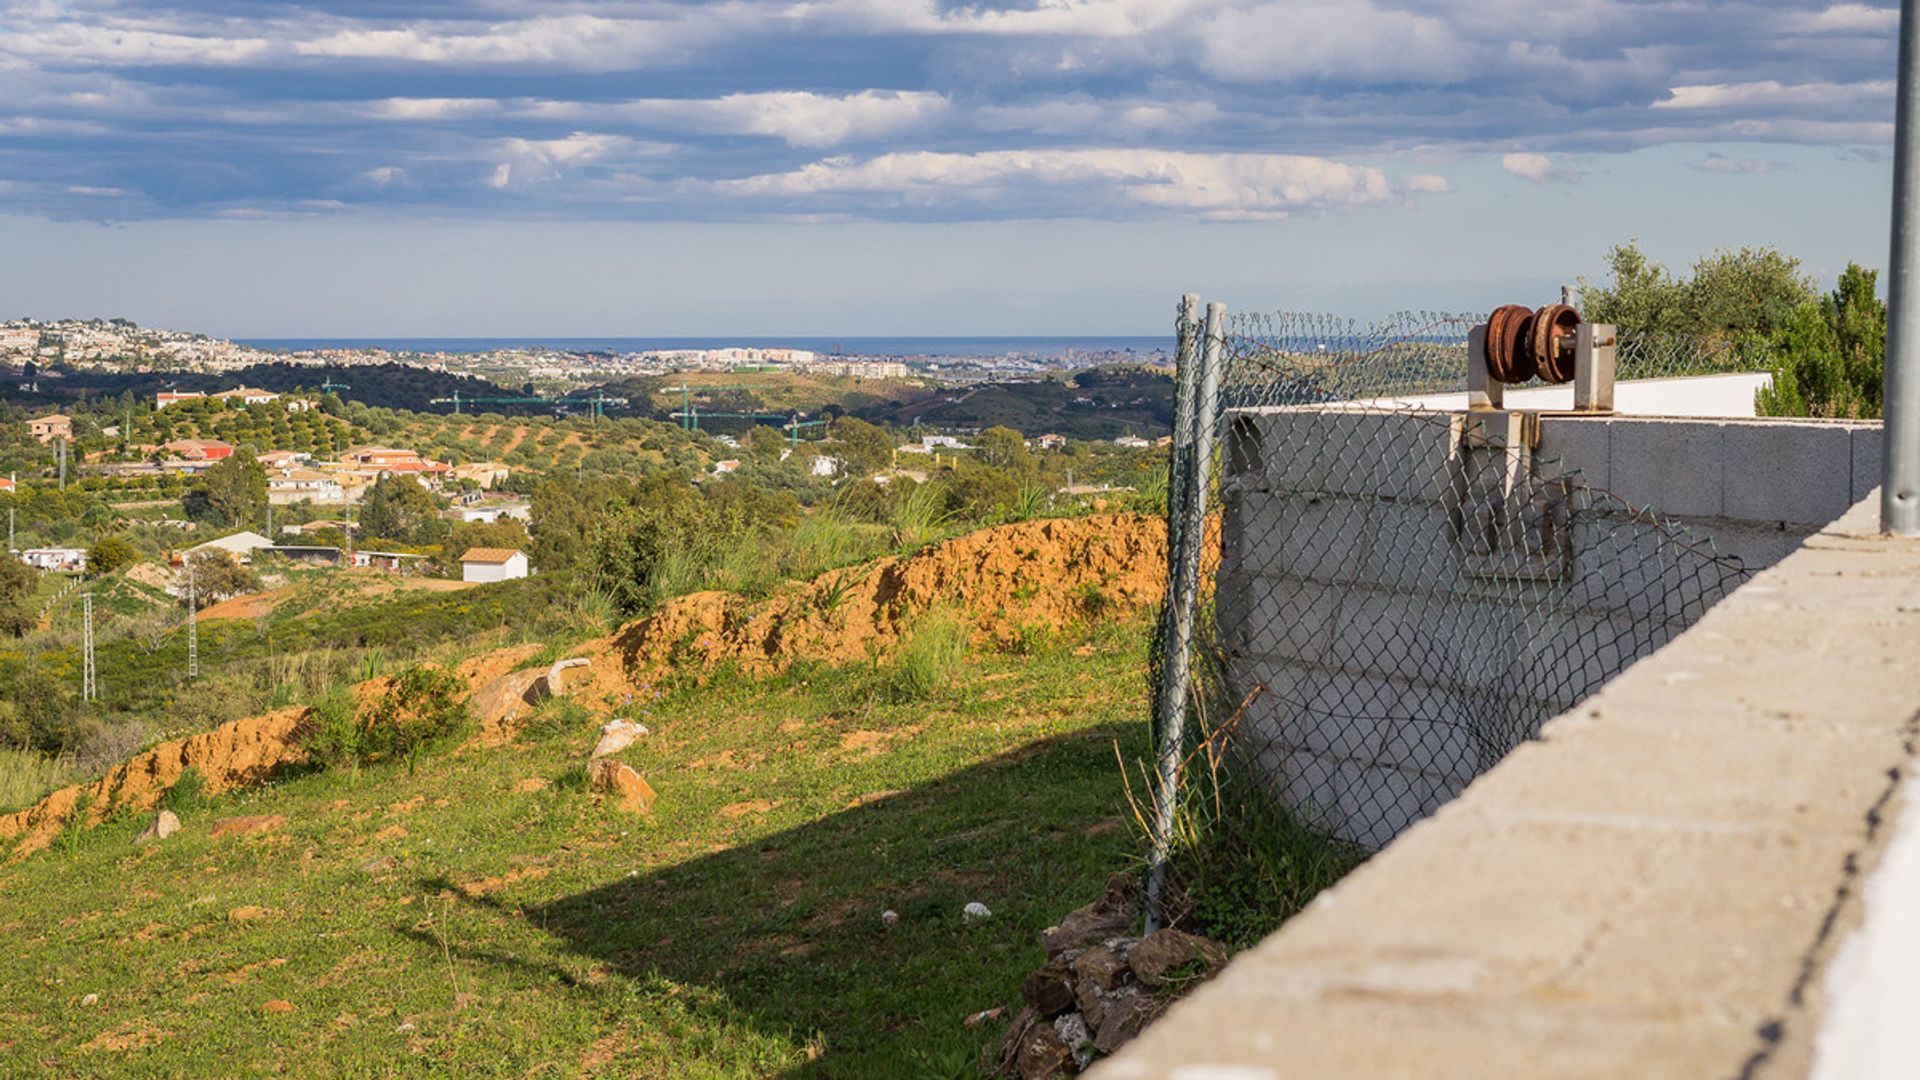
[(1221, 186), (801, 118), (531, 160), (384, 175), (102, 192), (1720, 163), (1851, 19), (431, 108), (1426, 184), (589, 41), (1537, 168), (1355, 41), (1771, 93)]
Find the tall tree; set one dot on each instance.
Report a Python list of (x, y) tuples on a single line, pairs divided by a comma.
[(1831, 354), (233, 491), (398, 508), (18, 581)]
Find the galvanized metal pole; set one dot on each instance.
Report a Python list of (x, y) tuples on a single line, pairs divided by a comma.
[(1900, 467), (1183, 599)]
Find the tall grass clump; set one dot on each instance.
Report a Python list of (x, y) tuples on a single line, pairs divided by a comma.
[(26, 777), (1239, 863), (919, 515), (929, 658)]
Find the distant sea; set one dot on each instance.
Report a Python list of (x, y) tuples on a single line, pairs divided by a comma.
[(851, 346)]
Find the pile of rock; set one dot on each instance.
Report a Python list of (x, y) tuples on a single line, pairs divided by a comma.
[(1099, 986), (616, 779)]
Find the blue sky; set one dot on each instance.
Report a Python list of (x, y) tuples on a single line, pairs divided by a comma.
[(907, 166)]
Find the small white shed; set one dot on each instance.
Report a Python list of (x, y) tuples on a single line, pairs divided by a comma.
[(493, 564)]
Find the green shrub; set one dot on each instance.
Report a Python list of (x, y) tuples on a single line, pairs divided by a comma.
[(928, 659), (334, 735), (423, 707), (188, 794)]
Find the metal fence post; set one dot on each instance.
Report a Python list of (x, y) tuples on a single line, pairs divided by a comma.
[(1182, 601), (1900, 468)]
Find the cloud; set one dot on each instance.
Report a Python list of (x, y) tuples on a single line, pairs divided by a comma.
[(1356, 41), (799, 118), (1091, 181), (1851, 19), (1537, 168), (1772, 93), (1720, 163), (431, 108)]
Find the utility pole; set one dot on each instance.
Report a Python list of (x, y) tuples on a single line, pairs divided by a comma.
[(89, 691), (193, 625), (63, 464), (1900, 465)]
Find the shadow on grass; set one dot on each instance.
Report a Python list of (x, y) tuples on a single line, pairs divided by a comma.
[(786, 929)]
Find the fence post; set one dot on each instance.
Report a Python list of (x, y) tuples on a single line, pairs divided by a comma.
[(1183, 593), (1900, 467)]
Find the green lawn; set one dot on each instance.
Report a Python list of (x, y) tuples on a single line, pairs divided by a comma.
[(453, 922)]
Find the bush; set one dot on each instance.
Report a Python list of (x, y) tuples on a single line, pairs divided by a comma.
[(927, 660), (188, 794), (421, 708)]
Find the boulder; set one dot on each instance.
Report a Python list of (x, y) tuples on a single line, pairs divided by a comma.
[(1160, 954), (247, 825), (1110, 916), (617, 735), (1042, 1054), (1050, 990), (1103, 966), (1072, 1029), (165, 824), (620, 781), (508, 697), (1127, 1012)]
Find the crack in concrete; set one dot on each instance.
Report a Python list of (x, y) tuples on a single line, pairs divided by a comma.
[(1773, 1030)]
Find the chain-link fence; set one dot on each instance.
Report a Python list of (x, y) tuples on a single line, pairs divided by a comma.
[(1403, 595)]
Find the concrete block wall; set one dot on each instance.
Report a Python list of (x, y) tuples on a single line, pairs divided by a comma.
[(1383, 666)]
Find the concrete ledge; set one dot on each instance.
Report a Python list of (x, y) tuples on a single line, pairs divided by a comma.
[(1655, 888)]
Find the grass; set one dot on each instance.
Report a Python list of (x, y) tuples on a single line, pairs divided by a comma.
[(456, 921), (26, 776)]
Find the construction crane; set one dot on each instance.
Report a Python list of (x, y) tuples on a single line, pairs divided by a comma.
[(690, 417), (599, 401), (330, 386)]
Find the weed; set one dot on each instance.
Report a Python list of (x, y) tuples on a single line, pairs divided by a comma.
[(25, 776), (188, 794), (929, 658), (572, 778), (1032, 639), (556, 716)]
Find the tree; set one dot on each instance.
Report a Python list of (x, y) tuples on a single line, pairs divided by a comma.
[(764, 443), (218, 575), (398, 508), (110, 554), (1831, 354), (233, 491), (866, 448), (1004, 448), (1750, 291), (18, 582)]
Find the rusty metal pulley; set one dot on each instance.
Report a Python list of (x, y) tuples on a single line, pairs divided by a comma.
[(1523, 343), (1509, 347)]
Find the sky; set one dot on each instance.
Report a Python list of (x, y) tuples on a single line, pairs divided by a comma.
[(255, 168)]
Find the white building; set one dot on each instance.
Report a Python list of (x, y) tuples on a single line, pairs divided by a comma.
[(493, 564), (240, 545), (55, 558)]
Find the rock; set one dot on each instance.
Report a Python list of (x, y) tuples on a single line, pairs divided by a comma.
[(1050, 989), (1072, 1030), (1103, 966), (974, 912), (890, 917), (1160, 954), (554, 685), (90, 1000), (617, 735), (1127, 1013), (246, 826), (1092, 1001), (1042, 1054), (165, 824), (1110, 916), (620, 781), (506, 698), (1002, 1061)]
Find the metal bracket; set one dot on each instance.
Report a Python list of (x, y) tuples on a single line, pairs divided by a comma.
[(1505, 522), (1594, 358)]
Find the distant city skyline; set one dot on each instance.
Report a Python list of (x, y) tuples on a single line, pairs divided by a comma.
[(893, 167)]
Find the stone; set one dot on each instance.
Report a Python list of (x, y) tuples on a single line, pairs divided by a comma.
[(1110, 916), (617, 735), (90, 1000), (1042, 1054), (1127, 1013), (1163, 952), (975, 911), (165, 824), (1103, 966), (1001, 1060), (890, 917), (629, 787), (1049, 990), (247, 826), (1072, 1029)]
